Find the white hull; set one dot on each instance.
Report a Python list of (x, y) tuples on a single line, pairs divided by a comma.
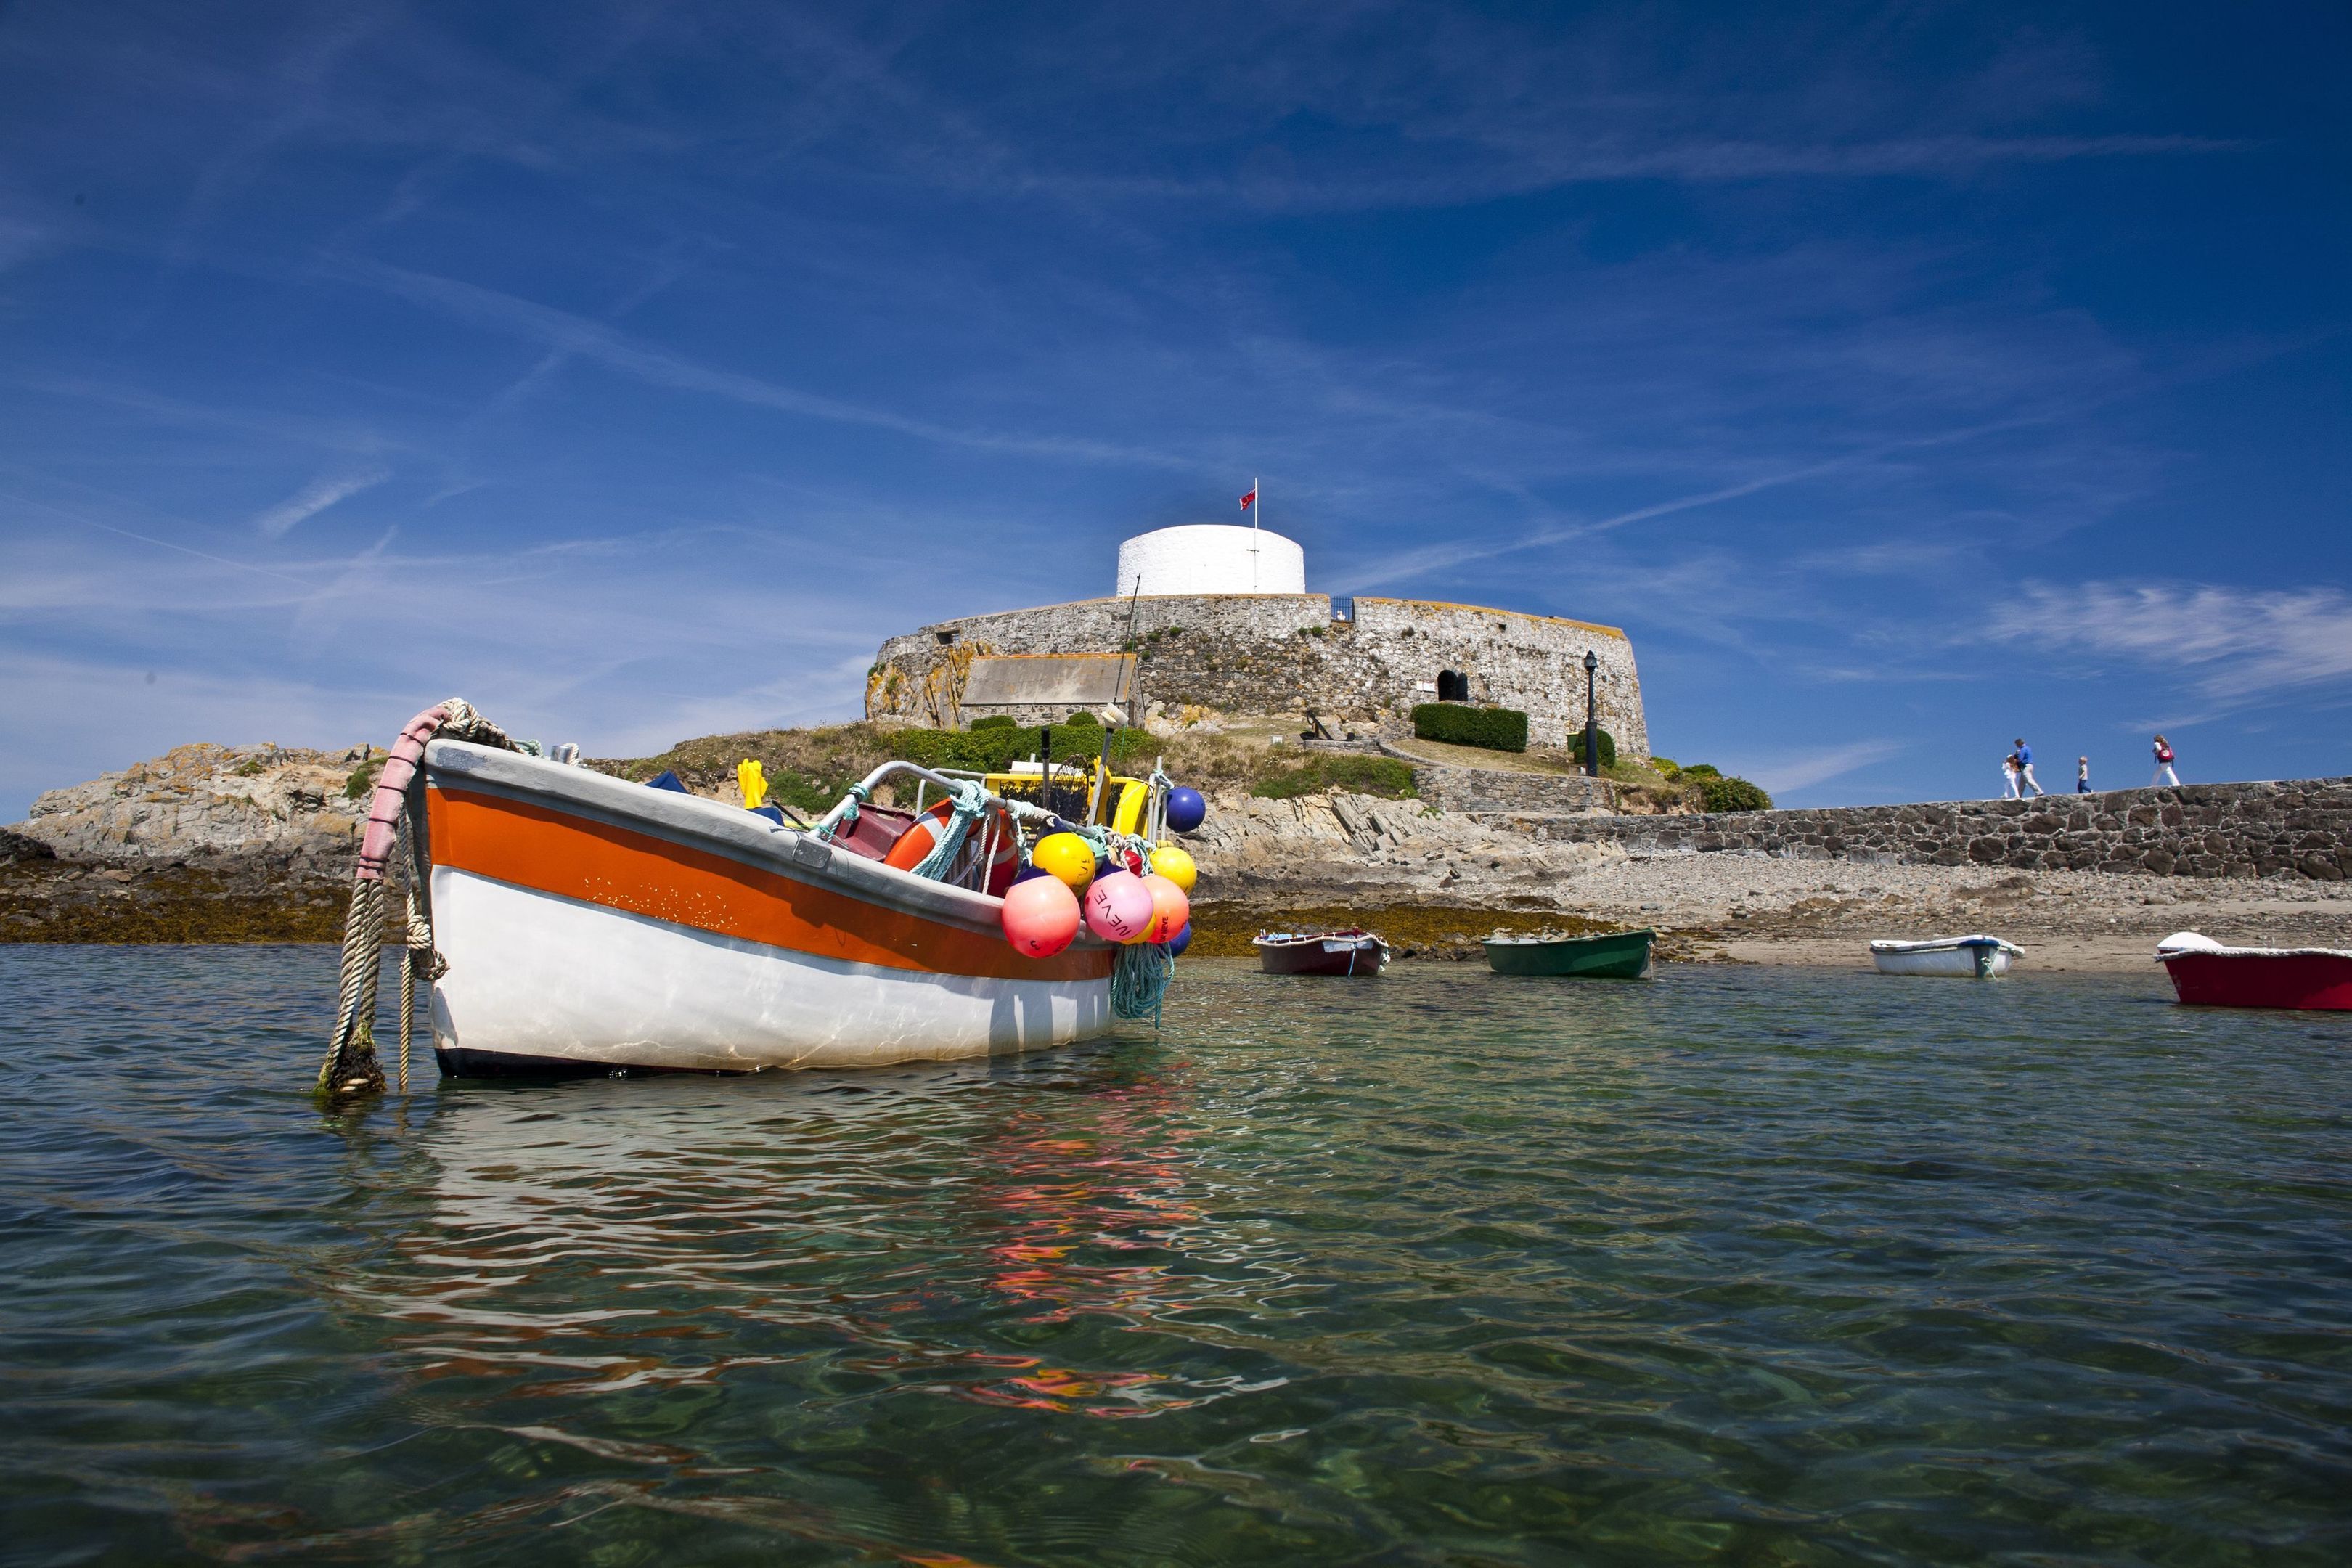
[(535, 976), (1959, 958)]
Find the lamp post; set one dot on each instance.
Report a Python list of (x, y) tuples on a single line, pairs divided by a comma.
[(1592, 717)]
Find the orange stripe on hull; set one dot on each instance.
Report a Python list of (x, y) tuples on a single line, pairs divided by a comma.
[(553, 852)]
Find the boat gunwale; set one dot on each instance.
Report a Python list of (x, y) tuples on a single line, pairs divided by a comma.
[(1894, 948), (1600, 936), (713, 828)]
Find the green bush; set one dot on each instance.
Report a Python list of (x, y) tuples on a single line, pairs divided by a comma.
[(1732, 794), (996, 721), (1608, 748), (1084, 718), (1666, 767), (1382, 777), (1459, 724), (804, 795), (1699, 770), (362, 780)]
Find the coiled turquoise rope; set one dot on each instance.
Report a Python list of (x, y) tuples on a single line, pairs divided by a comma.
[(1140, 980)]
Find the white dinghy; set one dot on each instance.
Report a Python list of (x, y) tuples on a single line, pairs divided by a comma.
[(1960, 957)]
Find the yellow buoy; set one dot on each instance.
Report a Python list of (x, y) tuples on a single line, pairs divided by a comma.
[(1176, 866), (1068, 856)]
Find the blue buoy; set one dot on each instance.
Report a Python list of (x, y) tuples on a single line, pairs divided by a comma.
[(1028, 871), (1184, 940), (1185, 809)]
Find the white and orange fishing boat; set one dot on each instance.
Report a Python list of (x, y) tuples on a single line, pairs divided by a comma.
[(571, 922)]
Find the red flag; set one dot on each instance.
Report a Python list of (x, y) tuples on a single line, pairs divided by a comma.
[(1249, 501)]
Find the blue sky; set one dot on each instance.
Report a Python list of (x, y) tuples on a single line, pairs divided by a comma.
[(1903, 378)]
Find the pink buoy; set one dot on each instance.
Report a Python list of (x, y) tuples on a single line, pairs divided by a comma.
[(1119, 906), (1041, 916), (1172, 911)]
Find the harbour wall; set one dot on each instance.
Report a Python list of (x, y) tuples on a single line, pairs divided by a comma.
[(2300, 828), (1286, 653)]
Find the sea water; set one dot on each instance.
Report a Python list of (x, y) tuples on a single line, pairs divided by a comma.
[(1736, 1264)]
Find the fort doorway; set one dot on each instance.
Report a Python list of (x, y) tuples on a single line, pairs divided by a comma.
[(1453, 686)]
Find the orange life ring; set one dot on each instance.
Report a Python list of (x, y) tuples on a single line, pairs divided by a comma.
[(926, 832)]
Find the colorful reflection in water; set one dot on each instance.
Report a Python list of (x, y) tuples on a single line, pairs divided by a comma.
[(1765, 1267)]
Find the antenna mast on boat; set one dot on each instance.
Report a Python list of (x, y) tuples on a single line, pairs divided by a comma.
[(1134, 655)]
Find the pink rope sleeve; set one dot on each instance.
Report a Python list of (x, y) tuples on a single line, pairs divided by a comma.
[(391, 791)]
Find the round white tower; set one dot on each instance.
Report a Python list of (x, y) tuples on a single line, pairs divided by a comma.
[(1211, 558)]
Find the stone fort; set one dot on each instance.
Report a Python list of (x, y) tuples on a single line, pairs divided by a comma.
[(1211, 621)]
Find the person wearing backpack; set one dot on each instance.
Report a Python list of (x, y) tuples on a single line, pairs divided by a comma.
[(2164, 773)]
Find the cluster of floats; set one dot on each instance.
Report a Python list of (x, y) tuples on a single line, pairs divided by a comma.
[(573, 922)]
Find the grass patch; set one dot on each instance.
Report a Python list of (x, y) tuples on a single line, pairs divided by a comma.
[(1383, 776)]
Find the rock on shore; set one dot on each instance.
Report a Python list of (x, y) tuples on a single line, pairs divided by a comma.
[(203, 844), (235, 806), (1333, 845)]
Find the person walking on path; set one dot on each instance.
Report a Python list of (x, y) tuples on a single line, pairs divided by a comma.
[(2008, 777), (2025, 766), (2164, 773), (2082, 776)]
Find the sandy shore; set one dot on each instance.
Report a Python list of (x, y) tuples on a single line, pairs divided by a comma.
[(1754, 910), (1758, 910)]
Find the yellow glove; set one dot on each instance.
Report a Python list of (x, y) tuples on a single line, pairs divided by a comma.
[(753, 782)]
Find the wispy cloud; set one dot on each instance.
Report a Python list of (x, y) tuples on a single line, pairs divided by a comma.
[(2234, 645), (591, 340), (316, 497), (1819, 766), (1488, 178)]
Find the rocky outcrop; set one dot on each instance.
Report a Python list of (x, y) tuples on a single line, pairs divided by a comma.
[(1399, 851), (205, 806)]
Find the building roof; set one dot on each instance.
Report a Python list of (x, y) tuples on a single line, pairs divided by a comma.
[(1049, 679)]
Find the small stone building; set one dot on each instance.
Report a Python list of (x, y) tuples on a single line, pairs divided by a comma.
[(1194, 655)]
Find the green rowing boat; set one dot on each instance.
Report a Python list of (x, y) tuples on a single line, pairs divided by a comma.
[(1619, 955)]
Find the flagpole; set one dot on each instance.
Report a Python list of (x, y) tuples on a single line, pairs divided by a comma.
[(1257, 505)]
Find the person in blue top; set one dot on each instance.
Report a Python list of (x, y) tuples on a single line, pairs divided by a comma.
[(2025, 766)]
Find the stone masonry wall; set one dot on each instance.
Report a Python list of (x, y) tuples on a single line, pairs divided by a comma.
[(2296, 827), (1283, 653), (1530, 662)]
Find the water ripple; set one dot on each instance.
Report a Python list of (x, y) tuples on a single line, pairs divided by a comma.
[(1770, 1267)]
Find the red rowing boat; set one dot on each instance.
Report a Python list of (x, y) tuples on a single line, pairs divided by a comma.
[(2207, 974), (1341, 952)]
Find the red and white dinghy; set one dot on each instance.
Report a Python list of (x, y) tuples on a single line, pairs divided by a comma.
[(2207, 974), (592, 925)]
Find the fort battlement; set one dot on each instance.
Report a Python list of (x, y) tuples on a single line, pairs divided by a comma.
[(1261, 654)]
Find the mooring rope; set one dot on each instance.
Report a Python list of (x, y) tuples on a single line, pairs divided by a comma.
[(352, 1066), (1140, 979)]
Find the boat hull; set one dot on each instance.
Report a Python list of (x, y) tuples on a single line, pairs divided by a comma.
[(1951, 963), (2317, 982), (1619, 955), (1354, 957), (592, 926)]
